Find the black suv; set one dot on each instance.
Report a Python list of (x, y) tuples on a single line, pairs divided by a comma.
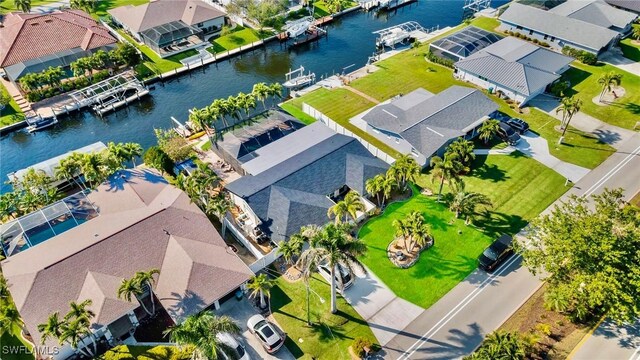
[(507, 134), (519, 125), (496, 253)]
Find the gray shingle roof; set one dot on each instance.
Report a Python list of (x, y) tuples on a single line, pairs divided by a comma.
[(572, 30), (293, 193), (595, 12), (633, 5), (429, 121), (516, 64)]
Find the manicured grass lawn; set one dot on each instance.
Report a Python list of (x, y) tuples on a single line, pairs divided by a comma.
[(104, 5), (487, 23), (182, 55), (440, 268), (154, 61), (624, 112), (331, 335), (340, 105), (13, 340), (126, 352), (239, 37), (11, 113), (297, 113), (630, 47)]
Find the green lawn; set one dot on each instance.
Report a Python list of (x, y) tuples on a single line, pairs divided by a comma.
[(126, 352), (624, 112), (101, 8), (11, 113), (487, 23), (239, 37), (630, 47), (331, 335), (340, 105), (440, 268), (154, 61), (14, 341), (297, 113)]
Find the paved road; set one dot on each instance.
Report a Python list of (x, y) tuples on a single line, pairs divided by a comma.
[(456, 325)]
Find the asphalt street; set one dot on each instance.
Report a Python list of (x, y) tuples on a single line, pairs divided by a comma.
[(457, 324)]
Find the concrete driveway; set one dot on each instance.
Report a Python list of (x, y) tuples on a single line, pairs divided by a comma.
[(241, 311), (615, 58), (385, 313)]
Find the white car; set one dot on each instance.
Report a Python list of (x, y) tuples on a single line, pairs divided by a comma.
[(344, 278), (230, 341), (270, 339)]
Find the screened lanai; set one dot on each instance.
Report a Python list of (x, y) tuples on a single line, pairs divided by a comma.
[(463, 43), (171, 37), (39, 226)]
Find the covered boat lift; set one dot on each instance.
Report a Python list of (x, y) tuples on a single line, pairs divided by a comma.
[(391, 36), (111, 93)]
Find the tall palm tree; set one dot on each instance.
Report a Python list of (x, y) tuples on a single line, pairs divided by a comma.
[(130, 289), (261, 91), (289, 249), (74, 332), (201, 119), (607, 81), (446, 169), (79, 311), (463, 150), (133, 151), (349, 206), (217, 205), (488, 130), (146, 280), (467, 203), (220, 108), (52, 328), (200, 331), (374, 186), (119, 152), (569, 107), (247, 102), (387, 187), (333, 246), (260, 285), (403, 230), (404, 169), (420, 234), (23, 5), (68, 169), (636, 33), (9, 317), (94, 168), (275, 90)]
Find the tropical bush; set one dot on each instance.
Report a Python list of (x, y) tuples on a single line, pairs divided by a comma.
[(438, 60), (70, 85), (359, 344), (582, 56), (157, 159)]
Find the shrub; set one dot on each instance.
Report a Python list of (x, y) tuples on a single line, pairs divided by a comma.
[(584, 57), (558, 88), (156, 158), (536, 41), (438, 60), (359, 344), (143, 72)]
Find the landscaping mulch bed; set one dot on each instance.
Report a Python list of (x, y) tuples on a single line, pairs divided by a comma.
[(532, 317)]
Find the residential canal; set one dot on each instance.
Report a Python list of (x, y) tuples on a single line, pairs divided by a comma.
[(350, 42)]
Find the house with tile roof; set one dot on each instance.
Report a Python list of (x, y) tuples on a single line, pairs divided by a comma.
[(582, 30), (137, 222), (33, 42), (170, 26), (308, 171), (422, 124), (516, 68)]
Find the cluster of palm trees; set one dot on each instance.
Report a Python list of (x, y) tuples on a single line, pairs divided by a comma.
[(413, 230), (30, 193), (347, 207), (467, 203), (51, 76), (98, 61), (260, 287), (23, 5), (504, 345), (86, 5), (73, 329), (569, 106), (488, 130), (204, 189), (452, 165), (220, 109), (404, 170), (608, 81), (9, 316), (138, 286), (335, 6)]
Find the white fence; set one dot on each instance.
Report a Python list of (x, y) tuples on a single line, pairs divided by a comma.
[(265, 261), (309, 110)]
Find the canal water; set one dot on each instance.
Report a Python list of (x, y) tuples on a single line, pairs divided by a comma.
[(349, 43)]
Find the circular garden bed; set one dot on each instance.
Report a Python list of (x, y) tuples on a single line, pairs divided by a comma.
[(402, 257)]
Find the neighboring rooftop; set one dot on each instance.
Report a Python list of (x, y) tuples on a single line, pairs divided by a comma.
[(30, 36), (293, 192), (632, 5), (144, 223), (160, 12), (467, 41), (572, 30), (516, 64), (429, 121), (596, 12)]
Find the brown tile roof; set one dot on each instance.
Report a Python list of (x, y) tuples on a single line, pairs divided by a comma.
[(144, 223), (30, 36), (155, 13)]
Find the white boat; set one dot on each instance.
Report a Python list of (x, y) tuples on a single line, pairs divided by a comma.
[(297, 78), (395, 36), (37, 122), (181, 129), (298, 27)]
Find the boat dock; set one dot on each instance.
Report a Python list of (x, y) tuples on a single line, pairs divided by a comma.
[(386, 5), (401, 33)]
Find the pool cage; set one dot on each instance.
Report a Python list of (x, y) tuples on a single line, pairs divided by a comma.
[(463, 43), (41, 225), (169, 37)]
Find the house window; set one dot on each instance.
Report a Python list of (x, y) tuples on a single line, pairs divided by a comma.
[(546, 37), (483, 78), (530, 32), (553, 38), (519, 27), (414, 153)]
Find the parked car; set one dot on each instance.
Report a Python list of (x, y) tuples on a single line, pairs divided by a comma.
[(519, 125), (500, 116), (270, 339), (230, 341), (344, 278), (496, 253), (507, 134)]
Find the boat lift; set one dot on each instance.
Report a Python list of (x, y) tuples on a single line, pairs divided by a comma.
[(400, 33), (297, 78), (304, 30), (109, 94), (471, 7)]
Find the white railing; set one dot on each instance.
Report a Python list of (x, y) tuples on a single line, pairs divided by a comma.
[(240, 236), (309, 110), (265, 261)]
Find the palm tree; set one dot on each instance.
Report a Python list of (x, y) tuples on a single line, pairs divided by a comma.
[(52, 328), (275, 90), (74, 332), (9, 318), (260, 285), (94, 168), (420, 234), (79, 311), (403, 230), (146, 281), (446, 169), (133, 151), (387, 187), (404, 169), (333, 246), (68, 169), (349, 206), (119, 152), (217, 205), (569, 107), (289, 249), (201, 119), (488, 130), (247, 102), (636, 33), (261, 91), (608, 81), (86, 5), (24, 5), (201, 332), (220, 108), (129, 289), (467, 203), (501, 345), (463, 150), (374, 186)]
